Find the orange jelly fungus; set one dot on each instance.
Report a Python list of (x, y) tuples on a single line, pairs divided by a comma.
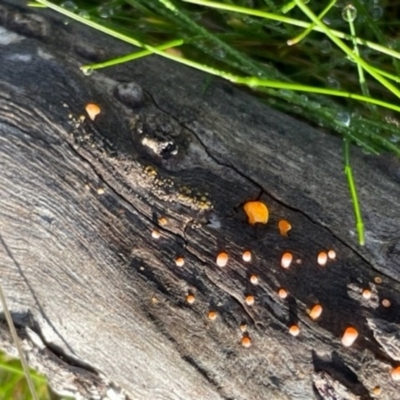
[(246, 256), (315, 312), (349, 336), (250, 300), (322, 258), (386, 303), (162, 221), (377, 390), (155, 234), (254, 279), (222, 259), (284, 227), (212, 315), (395, 374), (282, 293), (294, 330), (180, 261), (332, 254), (257, 212), (93, 110), (190, 298), (286, 260), (366, 293), (246, 341)]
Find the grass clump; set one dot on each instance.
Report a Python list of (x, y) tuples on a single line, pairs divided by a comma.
[(334, 63)]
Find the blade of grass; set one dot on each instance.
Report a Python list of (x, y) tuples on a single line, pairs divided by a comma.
[(17, 344), (353, 192), (295, 22)]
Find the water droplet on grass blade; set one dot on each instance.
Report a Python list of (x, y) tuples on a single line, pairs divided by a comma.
[(69, 5), (349, 13), (87, 71), (343, 118), (105, 11), (84, 14), (326, 46)]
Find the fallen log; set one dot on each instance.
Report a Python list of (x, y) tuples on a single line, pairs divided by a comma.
[(95, 213)]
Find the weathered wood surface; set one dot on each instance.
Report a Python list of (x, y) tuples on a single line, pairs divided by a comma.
[(81, 269)]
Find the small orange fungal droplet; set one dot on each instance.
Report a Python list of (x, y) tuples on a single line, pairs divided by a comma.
[(190, 298), (395, 374), (180, 261), (212, 315), (155, 234), (250, 300), (246, 341), (322, 258), (284, 227), (332, 254), (93, 110), (386, 303), (246, 256), (282, 293), (349, 336), (378, 280), (286, 260), (315, 312), (366, 293), (257, 212), (222, 259), (254, 279), (377, 390), (243, 327), (162, 221), (294, 330)]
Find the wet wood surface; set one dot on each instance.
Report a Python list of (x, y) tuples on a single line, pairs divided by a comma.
[(95, 213)]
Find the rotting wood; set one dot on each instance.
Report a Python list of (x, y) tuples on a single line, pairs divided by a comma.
[(80, 200)]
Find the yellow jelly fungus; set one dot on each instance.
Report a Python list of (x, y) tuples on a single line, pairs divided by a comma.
[(222, 259), (294, 330), (254, 279), (246, 341), (212, 315), (349, 336), (332, 254), (250, 300), (395, 373), (315, 312), (286, 260), (284, 227), (162, 221), (282, 293), (322, 258), (93, 110), (180, 261), (246, 256), (243, 327), (190, 298), (377, 390), (257, 212), (366, 293)]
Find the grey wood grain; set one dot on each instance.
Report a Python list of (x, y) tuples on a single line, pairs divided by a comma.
[(81, 198)]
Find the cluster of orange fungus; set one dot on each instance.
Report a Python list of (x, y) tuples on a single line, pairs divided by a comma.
[(179, 261), (249, 300), (286, 260), (395, 374), (254, 279), (284, 227), (246, 256), (190, 298), (349, 336), (93, 110), (332, 254), (366, 293), (294, 330), (282, 293), (212, 315), (257, 212), (222, 259), (246, 341), (322, 258), (315, 312)]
